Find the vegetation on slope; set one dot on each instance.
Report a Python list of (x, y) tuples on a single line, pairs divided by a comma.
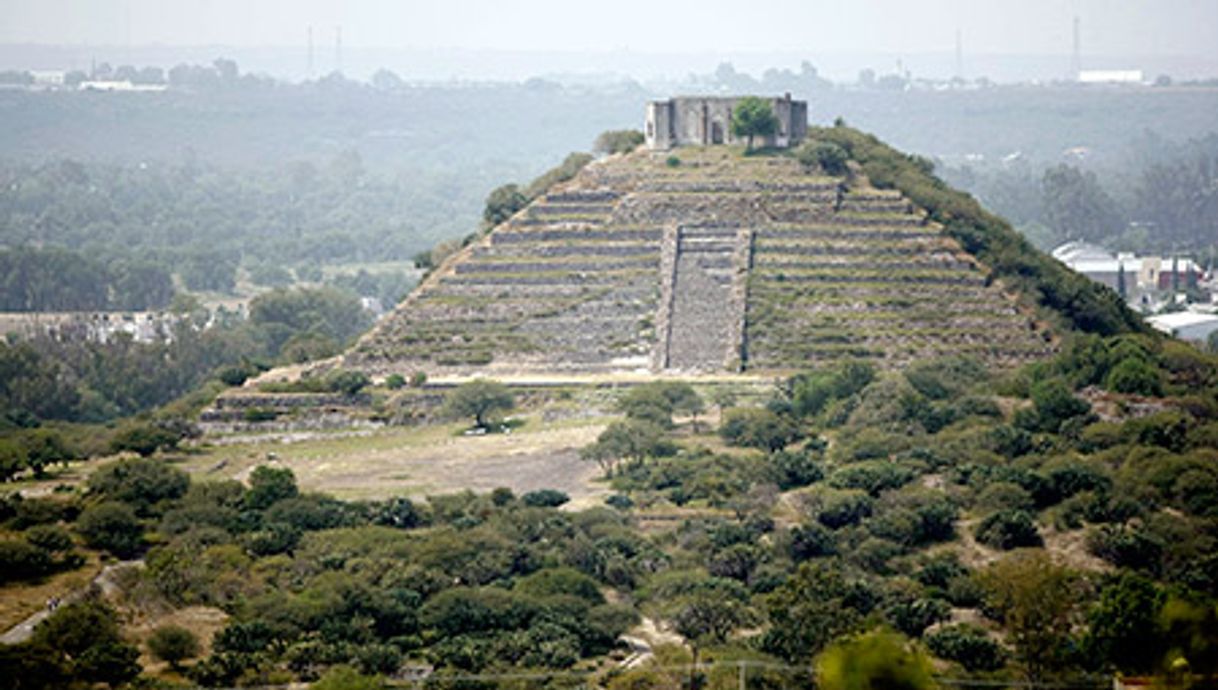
[(1080, 303)]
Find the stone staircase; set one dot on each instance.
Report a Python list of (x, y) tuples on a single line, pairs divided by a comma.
[(704, 324)]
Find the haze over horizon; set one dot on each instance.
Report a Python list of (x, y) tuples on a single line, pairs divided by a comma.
[(428, 40)]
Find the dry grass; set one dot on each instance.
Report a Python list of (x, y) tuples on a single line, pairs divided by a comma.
[(20, 601), (420, 461), (203, 621)]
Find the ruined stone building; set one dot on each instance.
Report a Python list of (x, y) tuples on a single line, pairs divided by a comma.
[(703, 120)]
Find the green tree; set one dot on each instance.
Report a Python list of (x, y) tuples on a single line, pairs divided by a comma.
[(1124, 624), (757, 428), (1078, 207), (817, 604), (173, 644), (631, 439), (144, 438), (139, 482), (753, 117), (86, 637), (111, 526), (503, 203), (481, 399), (829, 157), (269, 485), (1038, 603), (878, 659)]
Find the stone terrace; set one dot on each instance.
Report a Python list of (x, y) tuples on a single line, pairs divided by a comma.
[(721, 263)]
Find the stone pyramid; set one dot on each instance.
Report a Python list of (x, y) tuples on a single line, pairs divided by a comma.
[(697, 262)]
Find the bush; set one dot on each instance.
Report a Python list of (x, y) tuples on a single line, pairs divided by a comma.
[(1008, 529), (395, 382), (845, 508), (811, 541), (545, 498), (141, 483), (173, 644), (1127, 547), (874, 477), (111, 526), (757, 428), (876, 659), (144, 439), (1134, 375), (967, 645), (49, 538), (618, 141), (347, 381), (826, 155), (22, 561), (795, 469)]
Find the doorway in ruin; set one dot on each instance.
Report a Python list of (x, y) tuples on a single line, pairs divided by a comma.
[(716, 133)]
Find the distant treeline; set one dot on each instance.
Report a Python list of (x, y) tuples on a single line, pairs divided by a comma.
[(139, 223), (71, 380), (56, 279), (1163, 198)]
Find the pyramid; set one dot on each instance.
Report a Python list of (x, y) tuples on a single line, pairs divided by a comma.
[(702, 261)]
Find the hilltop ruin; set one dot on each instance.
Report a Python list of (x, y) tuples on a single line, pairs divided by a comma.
[(702, 261)]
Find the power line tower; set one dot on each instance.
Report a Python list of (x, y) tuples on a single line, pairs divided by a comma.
[(1076, 58), (959, 55), (309, 55), (338, 49)]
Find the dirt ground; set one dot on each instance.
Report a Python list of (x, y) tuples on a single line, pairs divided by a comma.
[(421, 461)]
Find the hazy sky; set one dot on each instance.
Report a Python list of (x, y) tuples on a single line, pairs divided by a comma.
[(1129, 27)]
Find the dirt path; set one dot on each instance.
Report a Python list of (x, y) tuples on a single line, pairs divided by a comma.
[(105, 581)]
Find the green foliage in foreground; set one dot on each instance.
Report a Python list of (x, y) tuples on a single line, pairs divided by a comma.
[(875, 660)]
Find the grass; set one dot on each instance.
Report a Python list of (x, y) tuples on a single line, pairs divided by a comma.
[(19, 601)]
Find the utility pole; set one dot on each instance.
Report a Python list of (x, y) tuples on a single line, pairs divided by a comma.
[(338, 49), (959, 55), (309, 57), (1076, 59)]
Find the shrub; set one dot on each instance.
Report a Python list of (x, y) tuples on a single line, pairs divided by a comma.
[(395, 382), (141, 483), (811, 541), (50, 538), (618, 141), (795, 469), (22, 561), (144, 439), (173, 644), (757, 428), (874, 477), (1008, 529), (967, 645), (111, 526), (347, 381), (877, 659), (1127, 547), (1134, 375), (826, 155), (545, 498), (845, 508)]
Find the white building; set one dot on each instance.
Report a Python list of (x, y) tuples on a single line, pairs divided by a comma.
[(1186, 325), (1111, 76)]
